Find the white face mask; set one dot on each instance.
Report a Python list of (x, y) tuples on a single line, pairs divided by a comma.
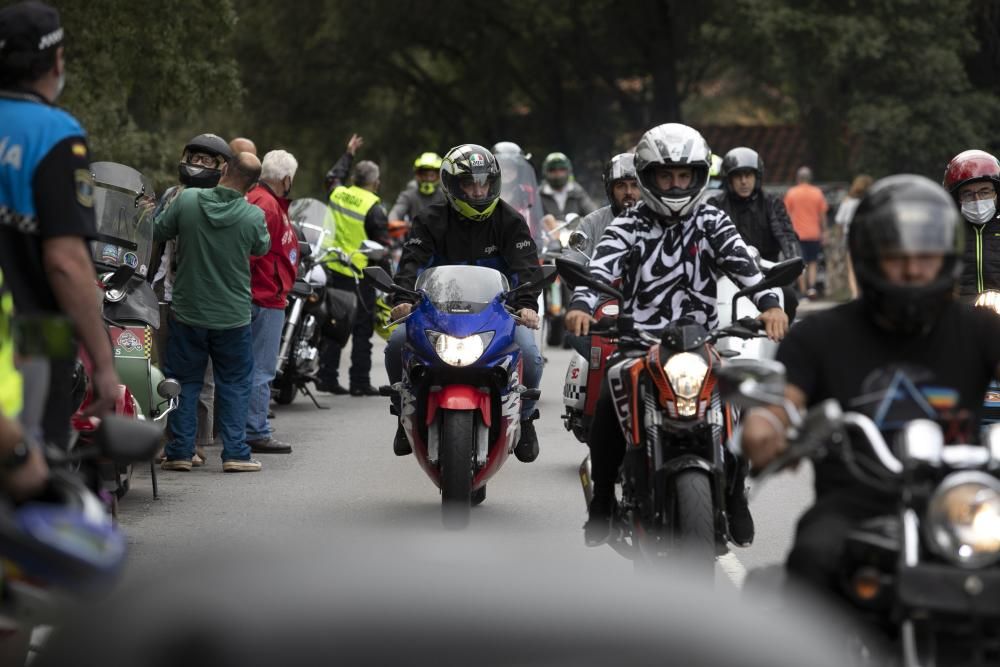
[(979, 212)]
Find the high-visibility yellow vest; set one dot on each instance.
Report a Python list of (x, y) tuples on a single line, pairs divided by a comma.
[(349, 206), (10, 379)]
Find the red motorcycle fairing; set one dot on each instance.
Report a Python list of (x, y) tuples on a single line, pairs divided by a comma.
[(459, 397)]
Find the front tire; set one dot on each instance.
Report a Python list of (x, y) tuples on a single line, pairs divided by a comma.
[(286, 390), (695, 520), (458, 437)]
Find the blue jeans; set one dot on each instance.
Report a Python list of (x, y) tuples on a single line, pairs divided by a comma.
[(231, 351), (523, 336), (265, 328)]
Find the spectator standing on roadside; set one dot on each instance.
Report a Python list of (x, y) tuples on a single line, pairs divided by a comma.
[(242, 145), (807, 208), (217, 230), (845, 212), (271, 278)]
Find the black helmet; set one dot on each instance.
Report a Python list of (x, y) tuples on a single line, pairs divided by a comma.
[(619, 167), (199, 176), (739, 159), (905, 214), (471, 161)]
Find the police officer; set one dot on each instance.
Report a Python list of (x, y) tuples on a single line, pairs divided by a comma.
[(46, 208), (358, 215)]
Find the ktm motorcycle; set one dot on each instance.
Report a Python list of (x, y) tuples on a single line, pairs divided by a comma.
[(461, 391), (676, 475)]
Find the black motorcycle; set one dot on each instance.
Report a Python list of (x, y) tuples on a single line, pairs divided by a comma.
[(676, 475), (315, 312), (927, 576)]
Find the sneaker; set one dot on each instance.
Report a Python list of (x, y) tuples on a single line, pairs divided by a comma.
[(241, 465), (269, 446), (597, 530), (365, 390), (183, 465), (400, 444), (336, 388), (197, 461), (741, 528), (526, 450)]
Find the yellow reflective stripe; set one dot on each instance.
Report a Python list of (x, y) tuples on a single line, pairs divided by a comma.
[(10, 378), (346, 211), (979, 259)]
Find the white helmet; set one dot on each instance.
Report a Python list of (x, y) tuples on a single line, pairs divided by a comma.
[(674, 145)]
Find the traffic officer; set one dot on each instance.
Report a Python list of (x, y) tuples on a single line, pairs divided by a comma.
[(47, 214), (358, 215)]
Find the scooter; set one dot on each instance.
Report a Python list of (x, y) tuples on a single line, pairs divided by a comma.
[(675, 476), (927, 576), (123, 205), (461, 390)]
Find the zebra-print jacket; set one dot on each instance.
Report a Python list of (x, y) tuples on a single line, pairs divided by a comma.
[(669, 272)]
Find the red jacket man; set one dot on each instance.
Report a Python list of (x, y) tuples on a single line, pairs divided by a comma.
[(271, 278)]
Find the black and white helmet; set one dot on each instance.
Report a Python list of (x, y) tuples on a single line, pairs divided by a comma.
[(672, 145)]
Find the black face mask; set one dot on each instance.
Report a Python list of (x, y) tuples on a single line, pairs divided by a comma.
[(195, 176)]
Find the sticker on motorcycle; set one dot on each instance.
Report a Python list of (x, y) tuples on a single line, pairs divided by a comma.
[(131, 259)]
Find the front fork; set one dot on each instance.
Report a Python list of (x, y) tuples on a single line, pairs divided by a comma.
[(286, 338)]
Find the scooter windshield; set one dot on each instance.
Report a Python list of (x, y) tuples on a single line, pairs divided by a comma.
[(462, 289), (123, 208)]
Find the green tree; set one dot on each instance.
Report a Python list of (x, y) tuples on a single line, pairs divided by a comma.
[(140, 75)]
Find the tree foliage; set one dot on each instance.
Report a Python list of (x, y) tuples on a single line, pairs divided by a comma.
[(879, 85)]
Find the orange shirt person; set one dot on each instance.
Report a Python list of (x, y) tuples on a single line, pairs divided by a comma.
[(807, 208)]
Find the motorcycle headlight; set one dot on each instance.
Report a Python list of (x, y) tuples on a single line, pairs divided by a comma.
[(686, 373), (963, 519), (456, 351)]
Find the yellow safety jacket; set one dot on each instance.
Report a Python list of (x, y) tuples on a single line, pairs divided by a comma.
[(349, 206), (10, 378)]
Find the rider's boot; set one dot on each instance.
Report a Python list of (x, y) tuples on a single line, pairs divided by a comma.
[(741, 528), (400, 444), (526, 449)]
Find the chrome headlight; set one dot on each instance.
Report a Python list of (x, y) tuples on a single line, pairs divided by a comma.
[(456, 351), (963, 519), (686, 373)]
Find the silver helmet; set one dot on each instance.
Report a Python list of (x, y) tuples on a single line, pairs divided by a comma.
[(672, 145)]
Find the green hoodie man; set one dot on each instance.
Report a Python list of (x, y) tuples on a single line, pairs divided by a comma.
[(216, 230)]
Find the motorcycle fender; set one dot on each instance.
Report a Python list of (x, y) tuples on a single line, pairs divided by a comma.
[(686, 462), (459, 397), (575, 389)]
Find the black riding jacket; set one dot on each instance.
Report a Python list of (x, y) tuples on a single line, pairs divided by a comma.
[(442, 237), (981, 262), (762, 221)]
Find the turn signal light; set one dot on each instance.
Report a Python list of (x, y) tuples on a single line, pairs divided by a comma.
[(867, 584)]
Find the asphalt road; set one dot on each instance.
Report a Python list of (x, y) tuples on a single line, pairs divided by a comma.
[(342, 476)]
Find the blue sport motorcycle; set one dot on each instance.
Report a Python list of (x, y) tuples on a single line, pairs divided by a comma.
[(461, 390)]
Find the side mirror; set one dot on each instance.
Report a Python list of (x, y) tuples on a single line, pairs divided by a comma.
[(168, 388), (578, 240), (752, 382), (373, 250), (383, 281), (545, 275), (127, 440), (782, 273), (305, 250), (576, 275)]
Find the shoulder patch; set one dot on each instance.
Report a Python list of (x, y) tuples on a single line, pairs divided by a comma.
[(79, 149), (84, 187)]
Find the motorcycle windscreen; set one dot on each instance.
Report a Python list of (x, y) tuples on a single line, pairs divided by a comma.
[(123, 207), (462, 289), (311, 217), (519, 188)]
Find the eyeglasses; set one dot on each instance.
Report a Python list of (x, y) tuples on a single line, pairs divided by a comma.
[(203, 160), (980, 194)]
